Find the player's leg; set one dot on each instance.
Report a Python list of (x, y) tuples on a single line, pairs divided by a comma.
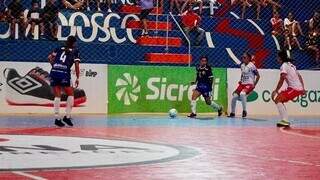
[(243, 99), (193, 103), (56, 105), (282, 98), (235, 98), (279, 101), (70, 100), (212, 104)]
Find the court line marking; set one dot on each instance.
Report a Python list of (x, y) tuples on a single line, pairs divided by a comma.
[(298, 134), (28, 175)]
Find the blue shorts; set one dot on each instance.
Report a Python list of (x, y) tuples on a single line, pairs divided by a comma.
[(204, 89), (65, 82)]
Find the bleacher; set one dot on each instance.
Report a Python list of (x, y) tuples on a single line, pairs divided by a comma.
[(114, 38)]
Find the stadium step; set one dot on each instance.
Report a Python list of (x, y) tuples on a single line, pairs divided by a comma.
[(159, 41), (134, 9), (168, 58), (152, 25)]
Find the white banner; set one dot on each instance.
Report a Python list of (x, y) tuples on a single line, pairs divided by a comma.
[(260, 103), (25, 88)]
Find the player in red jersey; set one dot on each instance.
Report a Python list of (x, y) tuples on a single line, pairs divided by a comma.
[(295, 87), (249, 79)]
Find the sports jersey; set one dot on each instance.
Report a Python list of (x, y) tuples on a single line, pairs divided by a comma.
[(248, 73), (204, 75), (63, 61), (292, 77)]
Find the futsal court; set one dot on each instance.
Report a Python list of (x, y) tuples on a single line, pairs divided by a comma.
[(157, 147)]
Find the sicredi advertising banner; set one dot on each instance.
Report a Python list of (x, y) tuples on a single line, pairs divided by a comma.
[(158, 89), (260, 102), (25, 88)]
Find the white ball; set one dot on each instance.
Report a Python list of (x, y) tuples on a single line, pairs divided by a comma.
[(173, 113)]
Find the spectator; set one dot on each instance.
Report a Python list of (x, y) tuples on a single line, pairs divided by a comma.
[(15, 15), (314, 23), (3, 13), (146, 6), (191, 21), (292, 31), (175, 3), (275, 4), (313, 44), (277, 27), (73, 4), (187, 2), (34, 16), (50, 20), (97, 2)]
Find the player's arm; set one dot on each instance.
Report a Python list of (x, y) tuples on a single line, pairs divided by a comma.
[(77, 68), (279, 85), (301, 80), (51, 57), (257, 78), (195, 82), (210, 76)]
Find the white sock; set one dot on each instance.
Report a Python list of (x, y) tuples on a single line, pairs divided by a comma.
[(243, 98), (70, 100), (193, 106), (215, 106), (56, 107), (282, 111), (234, 102)]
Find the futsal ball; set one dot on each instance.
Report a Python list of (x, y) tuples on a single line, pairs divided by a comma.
[(173, 113)]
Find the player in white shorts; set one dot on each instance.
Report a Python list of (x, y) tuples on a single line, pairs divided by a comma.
[(295, 87), (249, 79)]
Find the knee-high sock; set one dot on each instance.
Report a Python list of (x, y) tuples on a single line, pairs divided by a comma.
[(214, 105), (243, 98), (282, 111), (193, 106), (56, 106), (234, 102), (70, 100)]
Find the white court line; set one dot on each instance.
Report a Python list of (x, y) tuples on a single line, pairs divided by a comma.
[(28, 175), (298, 134)]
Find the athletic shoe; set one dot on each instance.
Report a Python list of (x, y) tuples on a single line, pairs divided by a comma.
[(192, 115), (67, 121), (220, 111), (58, 123), (244, 114), (232, 115), (34, 89), (283, 123)]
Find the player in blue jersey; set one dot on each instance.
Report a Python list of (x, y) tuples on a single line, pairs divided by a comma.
[(62, 59), (204, 83)]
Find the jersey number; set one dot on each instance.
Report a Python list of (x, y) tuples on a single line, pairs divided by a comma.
[(63, 57)]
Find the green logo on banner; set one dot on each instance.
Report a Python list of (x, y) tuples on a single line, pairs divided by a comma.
[(252, 96), (128, 89), (157, 89)]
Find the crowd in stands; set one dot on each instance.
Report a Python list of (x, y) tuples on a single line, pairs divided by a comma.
[(287, 30)]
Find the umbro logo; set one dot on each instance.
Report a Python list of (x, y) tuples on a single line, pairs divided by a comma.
[(24, 84)]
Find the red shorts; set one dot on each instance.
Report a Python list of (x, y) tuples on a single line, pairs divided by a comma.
[(289, 94), (248, 88)]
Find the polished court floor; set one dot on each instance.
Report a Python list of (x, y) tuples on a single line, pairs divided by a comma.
[(157, 147)]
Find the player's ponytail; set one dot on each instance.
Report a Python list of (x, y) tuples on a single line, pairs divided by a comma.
[(284, 57)]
